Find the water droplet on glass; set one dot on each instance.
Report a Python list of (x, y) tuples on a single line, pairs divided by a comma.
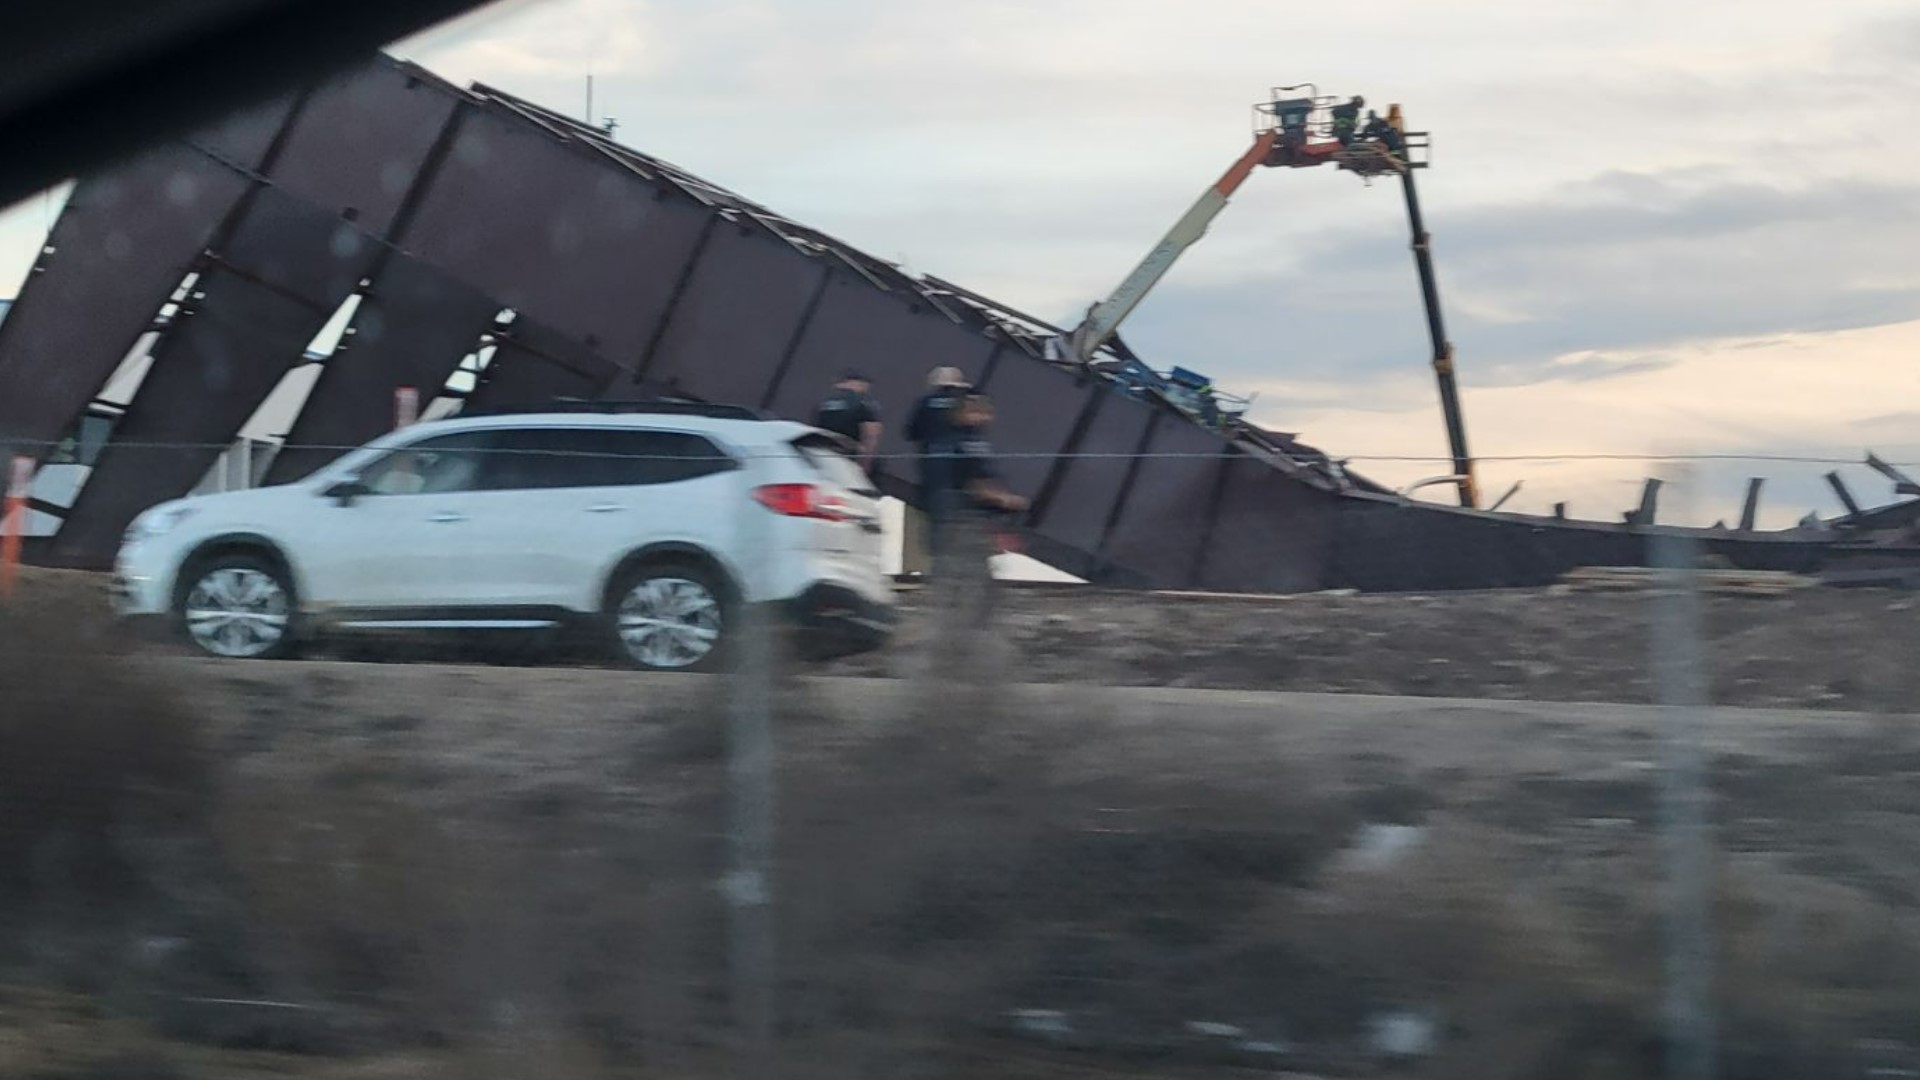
[(183, 189), (346, 243), (394, 176)]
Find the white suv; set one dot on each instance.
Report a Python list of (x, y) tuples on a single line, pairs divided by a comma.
[(654, 522)]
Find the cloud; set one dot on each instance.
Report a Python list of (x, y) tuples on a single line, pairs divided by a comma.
[(1622, 262), (1778, 397)]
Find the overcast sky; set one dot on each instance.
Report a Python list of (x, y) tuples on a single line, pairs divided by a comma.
[(1659, 226)]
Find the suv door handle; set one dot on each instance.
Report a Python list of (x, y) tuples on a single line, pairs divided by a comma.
[(446, 517), (605, 508)]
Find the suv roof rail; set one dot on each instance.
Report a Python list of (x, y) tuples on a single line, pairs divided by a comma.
[(668, 406)]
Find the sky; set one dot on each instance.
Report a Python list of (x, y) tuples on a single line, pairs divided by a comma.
[(1659, 228)]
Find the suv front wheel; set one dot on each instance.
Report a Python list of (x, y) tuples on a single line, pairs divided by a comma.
[(237, 605), (670, 615)]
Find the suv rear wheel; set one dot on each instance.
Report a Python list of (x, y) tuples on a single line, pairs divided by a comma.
[(237, 605), (670, 615)]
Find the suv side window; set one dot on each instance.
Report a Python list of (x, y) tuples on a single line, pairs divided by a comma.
[(432, 466), (601, 457)]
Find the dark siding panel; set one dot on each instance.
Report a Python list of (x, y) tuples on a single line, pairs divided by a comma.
[(1089, 482), (537, 364), (412, 329), (558, 232), (1159, 533), (1036, 405), (736, 317), (208, 377), (119, 250), (359, 140), (1272, 533)]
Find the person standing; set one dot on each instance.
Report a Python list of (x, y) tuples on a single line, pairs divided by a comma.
[(982, 505), (932, 432), (851, 412), (1346, 119)]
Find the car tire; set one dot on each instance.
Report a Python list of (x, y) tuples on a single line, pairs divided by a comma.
[(237, 606), (671, 615)]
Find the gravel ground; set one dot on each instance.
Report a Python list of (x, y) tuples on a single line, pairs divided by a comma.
[(1814, 648), (1033, 871)]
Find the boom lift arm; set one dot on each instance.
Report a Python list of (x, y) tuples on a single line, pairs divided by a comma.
[(1303, 132), (1105, 317)]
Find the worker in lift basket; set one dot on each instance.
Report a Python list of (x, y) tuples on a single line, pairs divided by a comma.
[(1380, 131), (1346, 119), (851, 412)]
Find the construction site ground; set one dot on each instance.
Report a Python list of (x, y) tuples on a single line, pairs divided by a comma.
[(1849, 649), (1104, 849)]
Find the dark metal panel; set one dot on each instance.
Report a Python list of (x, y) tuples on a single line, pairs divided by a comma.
[(245, 137), (116, 254), (1035, 405), (1383, 546), (1090, 481), (893, 341), (1270, 534), (736, 317), (1159, 532), (557, 231), (536, 364), (209, 375), (412, 329), (360, 139), (298, 248)]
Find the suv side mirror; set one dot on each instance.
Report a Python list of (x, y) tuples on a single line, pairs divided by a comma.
[(346, 491)]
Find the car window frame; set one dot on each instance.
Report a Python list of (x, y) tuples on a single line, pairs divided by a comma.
[(482, 439), (723, 458)]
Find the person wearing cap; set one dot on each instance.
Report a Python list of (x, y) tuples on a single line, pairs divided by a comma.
[(932, 431), (1346, 119), (982, 512), (850, 412)]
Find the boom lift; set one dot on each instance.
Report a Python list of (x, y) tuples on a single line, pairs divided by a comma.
[(1300, 129)]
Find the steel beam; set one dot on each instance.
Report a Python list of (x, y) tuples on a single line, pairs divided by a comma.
[(557, 231), (1902, 483), (1839, 487), (1750, 509)]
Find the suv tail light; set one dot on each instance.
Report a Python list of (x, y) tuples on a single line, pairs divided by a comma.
[(802, 500)]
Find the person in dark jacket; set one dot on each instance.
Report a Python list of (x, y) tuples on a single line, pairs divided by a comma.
[(981, 511), (1346, 119), (851, 412), (932, 432), (974, 475)]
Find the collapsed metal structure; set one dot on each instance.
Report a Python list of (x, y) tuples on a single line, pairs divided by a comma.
[(506, 255)]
